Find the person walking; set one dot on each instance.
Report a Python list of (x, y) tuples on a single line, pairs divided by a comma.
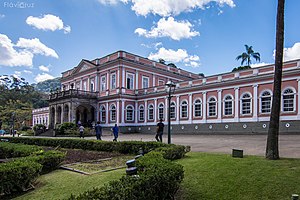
[(81, 130), (159, 131), (98, 129), (115, 132)]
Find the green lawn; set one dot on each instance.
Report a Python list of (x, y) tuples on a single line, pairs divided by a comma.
[(60, 184), (221, 177)]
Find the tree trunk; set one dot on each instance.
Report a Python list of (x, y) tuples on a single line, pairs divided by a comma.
[(272, 151)]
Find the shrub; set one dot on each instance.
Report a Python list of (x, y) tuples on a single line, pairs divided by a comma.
[(172, 152), (157, 179), (10, 150), (66, 126), (17, 176)]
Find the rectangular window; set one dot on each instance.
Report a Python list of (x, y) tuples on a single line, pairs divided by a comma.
[(145, 82), (129, 81), (212, 109), (161, 82), (103, 83), (246, 106), (228, 108), (92, 86), (113, 81), (266, 104)]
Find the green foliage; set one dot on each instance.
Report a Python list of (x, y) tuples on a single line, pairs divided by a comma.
[(18, 175), (67, 128), (48, 85), (172, 152), (157, 178), (10, 150), (240, 68), (246, 56)]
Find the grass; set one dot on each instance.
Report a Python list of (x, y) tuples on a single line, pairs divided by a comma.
[(221, 177), (59, 184)]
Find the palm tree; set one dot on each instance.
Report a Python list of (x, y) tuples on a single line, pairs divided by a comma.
[(272, 151), (246, 56)]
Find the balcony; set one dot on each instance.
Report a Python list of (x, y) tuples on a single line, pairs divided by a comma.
[(73, 93)]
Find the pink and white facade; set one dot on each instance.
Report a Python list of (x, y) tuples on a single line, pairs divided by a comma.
[(130, 90)]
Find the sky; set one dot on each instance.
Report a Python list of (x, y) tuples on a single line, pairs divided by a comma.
[(40, 39)]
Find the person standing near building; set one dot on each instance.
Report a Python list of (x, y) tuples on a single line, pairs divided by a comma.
[(115, 132), (159, 131), (98, 129), (81, 131), (0, 124)]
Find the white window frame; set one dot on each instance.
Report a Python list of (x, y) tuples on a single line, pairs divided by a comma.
[(241, 103), (161, 81), (143, 83), (102, 113), (111, 110), (186, 112), (173, 106), (130, 76), (225, 101), (92, 86), (127, 113), (261, 102), (103, 83), (141, 113), (208, 106), (161, 107), (194, 107), (150, 107), (113, 85), (294, 99)]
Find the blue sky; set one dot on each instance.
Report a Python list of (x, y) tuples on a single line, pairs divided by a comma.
[(41, 39)]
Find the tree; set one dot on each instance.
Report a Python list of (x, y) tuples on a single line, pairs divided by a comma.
[(240, 68), (272, 151), (246, 56), (162, 61)]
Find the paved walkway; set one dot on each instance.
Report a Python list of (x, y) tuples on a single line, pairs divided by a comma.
[(289, 145)]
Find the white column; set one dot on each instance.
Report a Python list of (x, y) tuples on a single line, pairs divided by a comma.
[(153, 84), (190, 108), (155, 110), (122, 110), (255, 102), (136, 112), (236, 104), (81, 84), (178, 109), (166, 108), (96, 83), (136, 80), (145, 112), (106, 110), (298, 98), (204, 107), (123, 77), (108, 81), (88, 88), (118, 112), (219, 111)]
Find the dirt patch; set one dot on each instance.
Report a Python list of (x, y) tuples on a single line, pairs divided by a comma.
[(79, 155)]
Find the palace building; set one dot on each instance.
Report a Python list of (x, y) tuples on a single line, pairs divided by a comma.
[(129, 90)]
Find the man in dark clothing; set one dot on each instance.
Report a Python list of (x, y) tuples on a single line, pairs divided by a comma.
[(98, 129), (115, 132), (159, 131), (0, 124)]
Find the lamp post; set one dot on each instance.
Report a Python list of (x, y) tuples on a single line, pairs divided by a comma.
[(171, 89)]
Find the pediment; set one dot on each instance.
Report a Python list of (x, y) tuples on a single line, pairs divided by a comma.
[(83, 66)]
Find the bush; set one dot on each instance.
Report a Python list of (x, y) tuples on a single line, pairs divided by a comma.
[(172, 152), (10, 150), (17, 176), (157, 179), (66, 126)]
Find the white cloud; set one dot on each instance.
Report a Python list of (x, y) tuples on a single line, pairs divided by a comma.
[(153, 45), (17, 74), (2, 16), (173, 7), (48, 22), (27, 71), (169, 28), (291, 53), (43, 77), (44, 68), (260, 64), (179, 56), (23, 52), (111, 2)]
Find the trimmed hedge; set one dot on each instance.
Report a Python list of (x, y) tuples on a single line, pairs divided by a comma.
[(157, 179), (169, 151), (9, 150), (18, 175)]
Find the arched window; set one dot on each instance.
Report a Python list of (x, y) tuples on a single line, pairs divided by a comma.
[(161, 111), (150, 112), (246, 105), (212, 110), (102, 114), (265, 102), (197, 108), (141, 113), (129, 113), (228, 105), (113, 112), (288, 99), (173, 110), (184, 109)]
